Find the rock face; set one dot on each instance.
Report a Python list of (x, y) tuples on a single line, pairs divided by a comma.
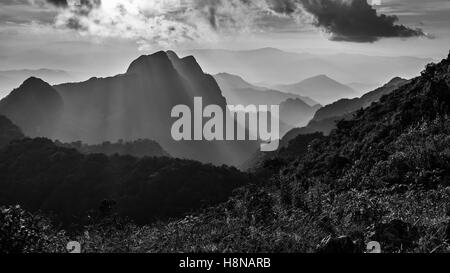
[(130, 106), (35, 107), (8, 132)]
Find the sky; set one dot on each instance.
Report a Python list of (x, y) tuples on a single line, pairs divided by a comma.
[(100, 37)]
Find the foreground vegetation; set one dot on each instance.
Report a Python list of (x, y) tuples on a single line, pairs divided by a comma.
[(41, 176), (253, 221)]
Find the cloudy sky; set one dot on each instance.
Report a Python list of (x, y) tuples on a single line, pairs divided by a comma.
[(102, 36)]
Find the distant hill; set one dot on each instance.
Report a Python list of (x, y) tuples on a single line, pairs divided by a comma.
[(347, 106), (133, 105), (137, 148), (10, 79), (239, 91), (274, 66), (52, 75), (326, 118), (362, 87), (231, 81), (8, 132), (35, 106), (320, 88), (296, 112)]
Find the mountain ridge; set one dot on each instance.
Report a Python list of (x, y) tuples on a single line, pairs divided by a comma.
[(11, 79), (137, 105), (320, 88), (234, 87), (364, 101)]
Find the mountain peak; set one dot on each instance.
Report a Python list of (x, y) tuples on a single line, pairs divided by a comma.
[(191, 62), (157, 60), (172, 54), (268, 49), (321, 88), (322, 78), (229, 76), (33, 87), (34, 106), (163, 61), (35, 82), (294, 102), (396, 80)]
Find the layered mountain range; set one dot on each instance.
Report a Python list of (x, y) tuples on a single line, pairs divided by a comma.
[(344, 107), (130, 106), (239, 91), (381, 175), (273, 66), (325, 120), (295, 110)]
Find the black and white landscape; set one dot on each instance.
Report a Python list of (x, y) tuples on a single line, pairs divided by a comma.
[(88, 154)]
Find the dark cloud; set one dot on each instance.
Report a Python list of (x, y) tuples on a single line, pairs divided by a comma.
[(83, 6), (58, 3), (355, 21), (344, 20), (284, 6)]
